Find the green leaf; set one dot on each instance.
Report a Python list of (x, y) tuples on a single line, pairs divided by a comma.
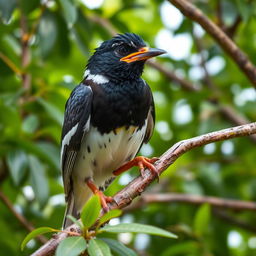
[(39, 181), (74, 220), (137, 228), (202, 219), (98, 248), (47, 32), (30, 124), (109, 215), (51, 151), (6, 9), (119, 248), (90, 211), (34, 233), (71, 246), (69, 12), (52, 110), (17, 162)]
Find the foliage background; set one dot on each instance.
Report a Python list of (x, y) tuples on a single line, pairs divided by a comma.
[(44, 47)]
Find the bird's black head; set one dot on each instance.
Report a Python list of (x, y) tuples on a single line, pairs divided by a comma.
[(121, 57)]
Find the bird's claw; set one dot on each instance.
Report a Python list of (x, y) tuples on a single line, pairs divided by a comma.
[(142, 162)]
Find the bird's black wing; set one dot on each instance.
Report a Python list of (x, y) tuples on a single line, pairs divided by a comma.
[(150, 118), (76, 125)]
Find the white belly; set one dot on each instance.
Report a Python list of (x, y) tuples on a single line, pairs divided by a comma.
[(100, 155)]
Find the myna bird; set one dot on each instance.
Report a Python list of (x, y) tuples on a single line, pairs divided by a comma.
[(108, 117)]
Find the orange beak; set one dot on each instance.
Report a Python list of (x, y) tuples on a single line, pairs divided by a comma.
[(144, 53)]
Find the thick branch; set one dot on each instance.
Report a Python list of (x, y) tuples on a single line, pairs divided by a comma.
[(139, 184), (193, 199), (192, 12)]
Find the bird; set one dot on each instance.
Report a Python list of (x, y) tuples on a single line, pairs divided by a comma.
[(108, 117)]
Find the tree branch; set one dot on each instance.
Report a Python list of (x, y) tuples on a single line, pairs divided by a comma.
[(192, 199), (192, 12), (19, 217), (139, 184)]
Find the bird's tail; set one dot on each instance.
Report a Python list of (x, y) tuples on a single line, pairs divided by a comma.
[(70, 210)]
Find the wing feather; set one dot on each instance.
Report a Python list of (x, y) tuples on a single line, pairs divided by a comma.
[(76, 125)]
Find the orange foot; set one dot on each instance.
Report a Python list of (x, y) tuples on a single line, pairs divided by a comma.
[(140, 161), (103, 199)]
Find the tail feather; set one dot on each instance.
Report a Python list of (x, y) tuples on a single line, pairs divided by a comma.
[(70, 210)]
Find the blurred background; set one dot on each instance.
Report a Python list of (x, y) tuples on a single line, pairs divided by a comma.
[(44, 47)]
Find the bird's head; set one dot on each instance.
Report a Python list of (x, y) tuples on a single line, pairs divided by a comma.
[(122, 57)]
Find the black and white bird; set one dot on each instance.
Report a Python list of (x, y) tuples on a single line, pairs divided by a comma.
[(108, 117)]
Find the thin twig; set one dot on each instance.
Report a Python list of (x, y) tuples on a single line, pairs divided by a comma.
[(124, 197), (227, 111), (25, 223), (11, 64), (25, 53), (192, 12), (192, 199), (236, 222)]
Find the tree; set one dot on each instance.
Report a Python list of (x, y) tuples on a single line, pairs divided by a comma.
[(209, 87)]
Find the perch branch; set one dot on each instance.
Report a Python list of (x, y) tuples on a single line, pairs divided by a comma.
[(139, 184), (193, 13)]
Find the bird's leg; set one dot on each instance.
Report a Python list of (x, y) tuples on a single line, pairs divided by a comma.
[(103, 199), (140, 161)]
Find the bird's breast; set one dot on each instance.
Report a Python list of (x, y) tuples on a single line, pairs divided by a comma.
[(101, 154)]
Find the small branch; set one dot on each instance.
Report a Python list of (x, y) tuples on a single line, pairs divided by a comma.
[(192, 12), (25, 53), (227, 111), (104, 23), (230, 31), (193, 199), (228, 218), (10, 64), (124, 197), (19, 217), (172, 76)]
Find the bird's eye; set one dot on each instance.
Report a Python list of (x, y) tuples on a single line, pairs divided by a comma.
[(123, 50)]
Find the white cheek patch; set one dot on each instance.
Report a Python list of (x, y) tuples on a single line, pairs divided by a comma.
[(98, 79)]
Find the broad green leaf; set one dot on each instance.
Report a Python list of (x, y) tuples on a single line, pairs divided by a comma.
[(52, 151), (74, 220), (202, 219), (47, 33), (34, 233), (17, 162), (6, 9), (30, 124), (38, 179), (91, 211), (119, 248), (183, 248), (137, 228), (109, 215), (71, 246), (52, 110), (98, 248), (69, 11)]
